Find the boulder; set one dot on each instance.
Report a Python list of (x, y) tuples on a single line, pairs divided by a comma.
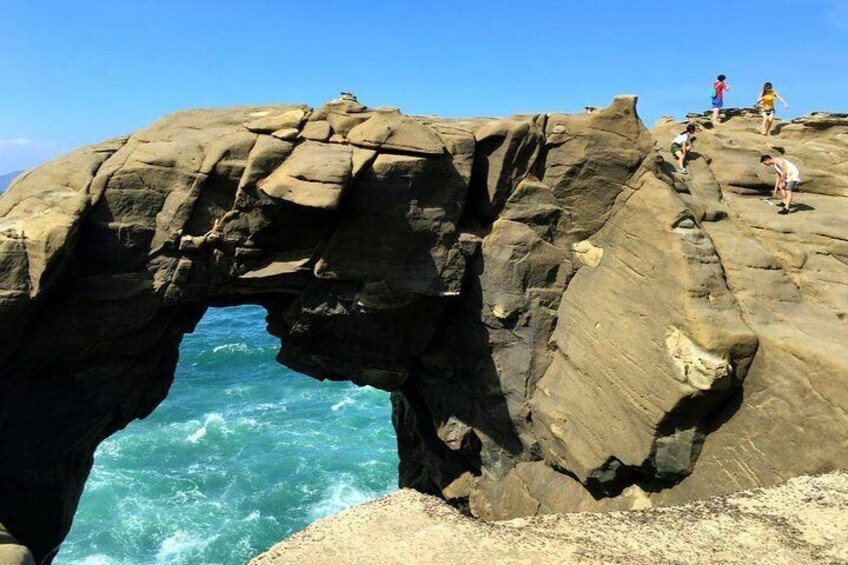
[(342, 114), (315, 175), (317, 131), (390, 131), (290, 119)]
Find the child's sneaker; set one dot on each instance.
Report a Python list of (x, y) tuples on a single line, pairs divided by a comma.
[(783, 210), (683, 171)]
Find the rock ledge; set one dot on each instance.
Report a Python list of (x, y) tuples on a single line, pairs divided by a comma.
[(802, 521)]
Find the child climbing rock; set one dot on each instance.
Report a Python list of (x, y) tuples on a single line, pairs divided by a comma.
[(681, 146), (766, 103), (788, 177)]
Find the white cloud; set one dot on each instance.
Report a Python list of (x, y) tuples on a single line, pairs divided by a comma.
[(18, 141), (18, 153)]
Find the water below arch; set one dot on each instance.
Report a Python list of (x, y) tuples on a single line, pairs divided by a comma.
[(242, 453)]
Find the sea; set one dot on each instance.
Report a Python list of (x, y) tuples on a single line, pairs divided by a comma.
[(243, 453)]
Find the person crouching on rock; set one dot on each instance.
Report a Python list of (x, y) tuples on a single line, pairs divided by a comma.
[(681, 146), (719, 88), (766, 103), (787, 179)]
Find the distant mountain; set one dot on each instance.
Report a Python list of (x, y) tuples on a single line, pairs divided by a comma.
[(6, 179)]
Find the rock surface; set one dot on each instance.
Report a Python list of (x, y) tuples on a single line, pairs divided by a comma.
[(802, 521), (11, 551), (563, 323)]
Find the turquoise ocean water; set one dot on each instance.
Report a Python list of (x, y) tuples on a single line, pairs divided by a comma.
[(242, 453)]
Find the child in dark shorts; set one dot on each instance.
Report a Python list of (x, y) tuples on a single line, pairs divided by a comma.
[(680, 147)]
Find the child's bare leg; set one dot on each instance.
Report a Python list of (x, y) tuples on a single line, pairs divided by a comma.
[(715, 116), (763, 129), (769, 122), (787, 198)]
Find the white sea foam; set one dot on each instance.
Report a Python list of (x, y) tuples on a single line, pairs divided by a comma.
[(188, 495), (200, 433), (105, 478), (239, 347), (346, 401), (174, 549), (270, 406), (109, 448), (238, 392), (98, 559), (253, 516), (200, 468), (341, 495)]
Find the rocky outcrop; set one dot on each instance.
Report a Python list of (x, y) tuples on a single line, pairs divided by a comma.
[(563, 324), (11, 551), (802, 521)]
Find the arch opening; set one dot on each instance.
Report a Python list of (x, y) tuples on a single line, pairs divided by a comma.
[(243, 452)]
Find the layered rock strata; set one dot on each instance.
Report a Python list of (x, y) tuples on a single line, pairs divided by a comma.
[(564, 324)]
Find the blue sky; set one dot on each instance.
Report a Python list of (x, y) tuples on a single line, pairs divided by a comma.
[(78, 71)]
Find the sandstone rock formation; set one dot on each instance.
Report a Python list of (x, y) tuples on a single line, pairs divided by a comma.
[(11, 551), (802, 521), (564, 325)]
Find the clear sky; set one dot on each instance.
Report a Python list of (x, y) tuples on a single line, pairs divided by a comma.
[(78, 71)]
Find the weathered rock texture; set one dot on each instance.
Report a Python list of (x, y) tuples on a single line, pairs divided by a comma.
[(563, 325), (11, 551), (803, 521)]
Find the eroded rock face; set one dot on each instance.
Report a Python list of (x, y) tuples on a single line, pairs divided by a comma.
[(562, 324)]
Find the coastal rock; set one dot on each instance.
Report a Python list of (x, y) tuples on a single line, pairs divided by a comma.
[(12, 552), (390, 131), (317, 131), (675, 296), (314, 175), (274, 121), (787, 275), (803, 521), (563, 323)]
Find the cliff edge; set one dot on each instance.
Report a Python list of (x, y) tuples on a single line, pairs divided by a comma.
[(564, 323)]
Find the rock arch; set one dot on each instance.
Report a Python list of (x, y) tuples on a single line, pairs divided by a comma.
[(475, 268)]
